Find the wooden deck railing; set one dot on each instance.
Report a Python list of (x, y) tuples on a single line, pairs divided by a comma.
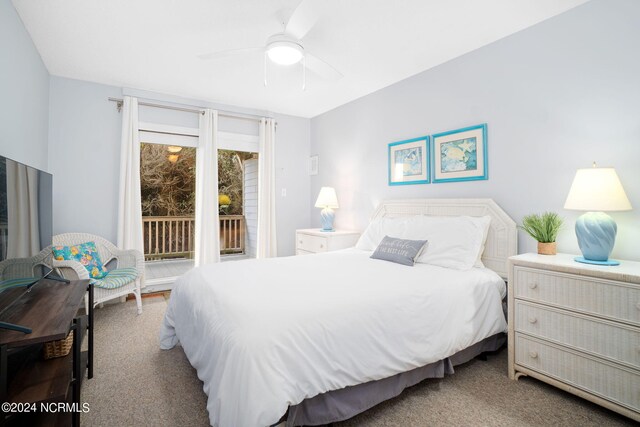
[(173, 236)]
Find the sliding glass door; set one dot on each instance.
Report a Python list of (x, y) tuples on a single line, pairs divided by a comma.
[(167, 177)]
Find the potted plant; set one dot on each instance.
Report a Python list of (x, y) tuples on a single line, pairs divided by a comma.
[(544, 228)]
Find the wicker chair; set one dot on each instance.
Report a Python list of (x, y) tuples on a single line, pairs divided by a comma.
[(14, 268), (108, 252)]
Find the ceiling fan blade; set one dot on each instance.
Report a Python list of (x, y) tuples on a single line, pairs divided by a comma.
[(304, 18), (230, 52), (321, 68)]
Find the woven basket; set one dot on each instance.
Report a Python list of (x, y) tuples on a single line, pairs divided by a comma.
[(58, 348)]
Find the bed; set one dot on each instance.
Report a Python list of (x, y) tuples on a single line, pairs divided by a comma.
[(319, 338)]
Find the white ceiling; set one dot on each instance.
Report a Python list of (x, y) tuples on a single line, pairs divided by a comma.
[(154, 44)]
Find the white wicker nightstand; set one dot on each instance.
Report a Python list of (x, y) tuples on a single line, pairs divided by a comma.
[(312, 240), (577, 327)]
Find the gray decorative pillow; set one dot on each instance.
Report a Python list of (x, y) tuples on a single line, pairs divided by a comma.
[(401, 251)]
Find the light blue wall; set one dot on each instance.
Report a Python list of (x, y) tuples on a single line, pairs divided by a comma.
[(84, 142), (292, 174), (24, 93), (556, 97), (85, 158)]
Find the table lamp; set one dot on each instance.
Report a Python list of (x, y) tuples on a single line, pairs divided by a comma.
[(328, 201), (596, 190)]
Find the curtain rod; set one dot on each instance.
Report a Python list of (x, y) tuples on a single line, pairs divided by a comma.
[(252, 117)]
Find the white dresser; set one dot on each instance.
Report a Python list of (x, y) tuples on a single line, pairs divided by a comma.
[(312, 240), (577, 327)]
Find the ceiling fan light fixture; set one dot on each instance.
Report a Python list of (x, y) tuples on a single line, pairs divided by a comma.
[(283, 50)]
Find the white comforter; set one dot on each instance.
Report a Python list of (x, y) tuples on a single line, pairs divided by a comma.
[(266, 334)]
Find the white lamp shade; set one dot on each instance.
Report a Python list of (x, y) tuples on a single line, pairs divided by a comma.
[(597, 189), (327, 198)]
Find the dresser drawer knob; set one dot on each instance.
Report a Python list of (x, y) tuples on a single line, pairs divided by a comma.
[(532, 320), (321, 246), (533, 354), (300, 241), (533, 285)]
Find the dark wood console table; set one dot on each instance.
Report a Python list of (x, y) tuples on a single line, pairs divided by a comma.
[(50, 308)]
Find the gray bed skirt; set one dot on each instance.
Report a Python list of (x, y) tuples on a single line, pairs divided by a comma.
[(339, 405)]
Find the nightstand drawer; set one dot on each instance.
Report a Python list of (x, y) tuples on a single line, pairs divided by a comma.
[(310, 243), (605, 298), (606, 380), (606, 339)]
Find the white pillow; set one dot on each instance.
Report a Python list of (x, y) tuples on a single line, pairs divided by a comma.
[(485, 223), (453, 242), (377, 229)]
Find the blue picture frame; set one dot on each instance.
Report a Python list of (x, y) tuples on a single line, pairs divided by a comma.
[(460, 155), (409, 161)]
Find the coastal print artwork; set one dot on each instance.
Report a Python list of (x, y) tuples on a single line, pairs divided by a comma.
[(460, 155), (409, 161)]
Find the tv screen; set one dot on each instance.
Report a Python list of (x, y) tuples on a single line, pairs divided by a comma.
[(26, 227), (26, 211)]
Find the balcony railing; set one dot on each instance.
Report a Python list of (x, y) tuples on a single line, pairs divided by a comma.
[(168, 237)]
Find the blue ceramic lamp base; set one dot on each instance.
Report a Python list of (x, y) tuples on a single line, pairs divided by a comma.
[(596, 233), (327, 215)]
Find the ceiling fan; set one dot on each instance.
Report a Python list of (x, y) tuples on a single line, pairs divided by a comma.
[(287, 48)]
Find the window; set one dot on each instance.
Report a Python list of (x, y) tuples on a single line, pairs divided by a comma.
[(167, 176)]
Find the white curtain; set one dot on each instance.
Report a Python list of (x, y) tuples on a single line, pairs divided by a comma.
[(207, 233), (22, 211), (266, 242), (130, 210)]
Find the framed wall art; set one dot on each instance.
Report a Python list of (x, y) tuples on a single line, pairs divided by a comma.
[(460, 155), (409, 161)]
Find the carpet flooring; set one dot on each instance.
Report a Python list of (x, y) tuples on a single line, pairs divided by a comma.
[(137, 384), (134, 382)]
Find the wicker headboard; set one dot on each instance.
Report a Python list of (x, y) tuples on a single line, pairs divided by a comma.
[(502, 241)]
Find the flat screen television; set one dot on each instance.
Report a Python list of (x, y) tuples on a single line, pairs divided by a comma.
[(26, 228)]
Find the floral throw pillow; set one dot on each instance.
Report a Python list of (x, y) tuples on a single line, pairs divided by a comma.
[(86, 254)]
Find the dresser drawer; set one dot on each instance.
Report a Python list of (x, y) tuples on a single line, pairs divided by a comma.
[(608, 381), (606, 298), (614, 341), (310, 243)]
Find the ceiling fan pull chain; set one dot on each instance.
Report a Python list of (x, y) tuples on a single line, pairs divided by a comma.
[(304, 72), (265, 69)]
